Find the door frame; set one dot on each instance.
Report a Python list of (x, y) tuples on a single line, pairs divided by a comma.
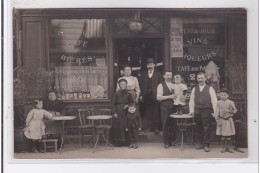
[(131, 36)]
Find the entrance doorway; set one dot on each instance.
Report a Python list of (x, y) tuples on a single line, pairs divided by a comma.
[(135, 52)]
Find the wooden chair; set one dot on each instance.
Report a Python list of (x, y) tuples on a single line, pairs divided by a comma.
[(54, 141)]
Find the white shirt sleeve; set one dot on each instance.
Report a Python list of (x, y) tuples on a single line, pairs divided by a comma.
[(213, 97), (159, 91), (137, 87), (192, 103), (184, 87)]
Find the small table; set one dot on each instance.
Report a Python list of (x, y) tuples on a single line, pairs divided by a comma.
[(63, 119), (100, 128), (182, 124)]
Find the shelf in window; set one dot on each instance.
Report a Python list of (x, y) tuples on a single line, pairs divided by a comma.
[(85, 100), (98, 51)]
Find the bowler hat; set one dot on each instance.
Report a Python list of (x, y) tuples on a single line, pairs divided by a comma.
[(150, 60)]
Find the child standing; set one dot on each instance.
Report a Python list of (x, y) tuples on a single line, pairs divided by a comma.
[(133, 125), (35, 127), (180, 90), (225, 125)]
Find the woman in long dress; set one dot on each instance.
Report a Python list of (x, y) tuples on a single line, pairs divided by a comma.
[(120, 103)]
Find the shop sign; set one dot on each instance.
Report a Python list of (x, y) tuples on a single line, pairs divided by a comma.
[(79, 59), (176, 37)]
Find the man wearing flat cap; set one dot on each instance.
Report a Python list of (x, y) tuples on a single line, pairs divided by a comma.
[(150, 79)]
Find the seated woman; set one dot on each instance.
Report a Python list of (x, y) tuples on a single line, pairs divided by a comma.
[(56, 107)]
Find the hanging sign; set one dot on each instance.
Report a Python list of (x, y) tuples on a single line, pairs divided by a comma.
[(176, 37)]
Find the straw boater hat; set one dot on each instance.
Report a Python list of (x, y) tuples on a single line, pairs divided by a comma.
[(150, 60)]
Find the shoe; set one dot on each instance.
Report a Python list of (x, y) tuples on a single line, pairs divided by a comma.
[(206, 149), (174, 144), (223, 150), (156, 131), (35, 150), (131, 145), (176, 113), (147, 130), (199, 147), (229, 144), (166, 146), (135, 146)]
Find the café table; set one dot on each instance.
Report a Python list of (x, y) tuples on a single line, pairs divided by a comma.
[(63, 119), (183, 122), (101, 124)]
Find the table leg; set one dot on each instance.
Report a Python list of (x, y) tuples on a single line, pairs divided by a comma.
[(96, 142), (62, 134)]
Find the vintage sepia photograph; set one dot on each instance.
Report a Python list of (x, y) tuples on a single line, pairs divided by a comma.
[(130, 83)]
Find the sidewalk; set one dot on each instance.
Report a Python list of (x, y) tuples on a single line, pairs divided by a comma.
[(148, 149)]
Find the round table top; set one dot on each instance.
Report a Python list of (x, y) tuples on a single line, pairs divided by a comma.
[(181, 116), (59, 118), (99, 117)]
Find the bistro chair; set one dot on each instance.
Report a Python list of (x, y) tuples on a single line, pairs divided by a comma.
[(102, 124), (85, 127)]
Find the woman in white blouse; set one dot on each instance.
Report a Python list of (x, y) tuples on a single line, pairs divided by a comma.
[(132, 83)]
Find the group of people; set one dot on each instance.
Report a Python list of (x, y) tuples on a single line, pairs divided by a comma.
[(35, 124), (160, 94), (156, 93)]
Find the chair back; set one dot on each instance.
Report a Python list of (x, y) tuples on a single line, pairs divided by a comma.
[(83, 114)]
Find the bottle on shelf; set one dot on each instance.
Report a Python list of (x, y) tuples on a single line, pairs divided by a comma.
[(84, 94), (67, 94), (88, 94), (63, 97), (58, 94), (79, 93), (75, 93)]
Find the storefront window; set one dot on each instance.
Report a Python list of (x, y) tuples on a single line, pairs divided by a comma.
[(78, 57), (198, 45)]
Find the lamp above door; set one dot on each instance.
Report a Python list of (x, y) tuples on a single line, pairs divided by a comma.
[(136, 24)]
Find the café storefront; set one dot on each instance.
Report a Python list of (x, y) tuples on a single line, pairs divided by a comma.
[(81, 51)]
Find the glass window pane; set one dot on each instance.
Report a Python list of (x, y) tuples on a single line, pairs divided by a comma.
[(78, 57)]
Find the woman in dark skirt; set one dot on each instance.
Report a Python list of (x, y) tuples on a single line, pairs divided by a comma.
[(120, 103)]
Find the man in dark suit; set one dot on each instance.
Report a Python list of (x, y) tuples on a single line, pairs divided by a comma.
[(150, 79)]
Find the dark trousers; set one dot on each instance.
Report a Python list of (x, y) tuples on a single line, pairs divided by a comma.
[(168, 124), (132, 130), (151, 112), (203, 118)]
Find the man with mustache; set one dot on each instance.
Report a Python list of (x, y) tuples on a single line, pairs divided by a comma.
[(203, 102), (165, 94), (150, 79)]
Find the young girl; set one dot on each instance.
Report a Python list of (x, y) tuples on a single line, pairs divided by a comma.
[(225, 124), (180, 90), (121, 100), (35, 127), (133, 125)]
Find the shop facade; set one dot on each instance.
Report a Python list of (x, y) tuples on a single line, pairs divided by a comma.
[(80, 51)]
